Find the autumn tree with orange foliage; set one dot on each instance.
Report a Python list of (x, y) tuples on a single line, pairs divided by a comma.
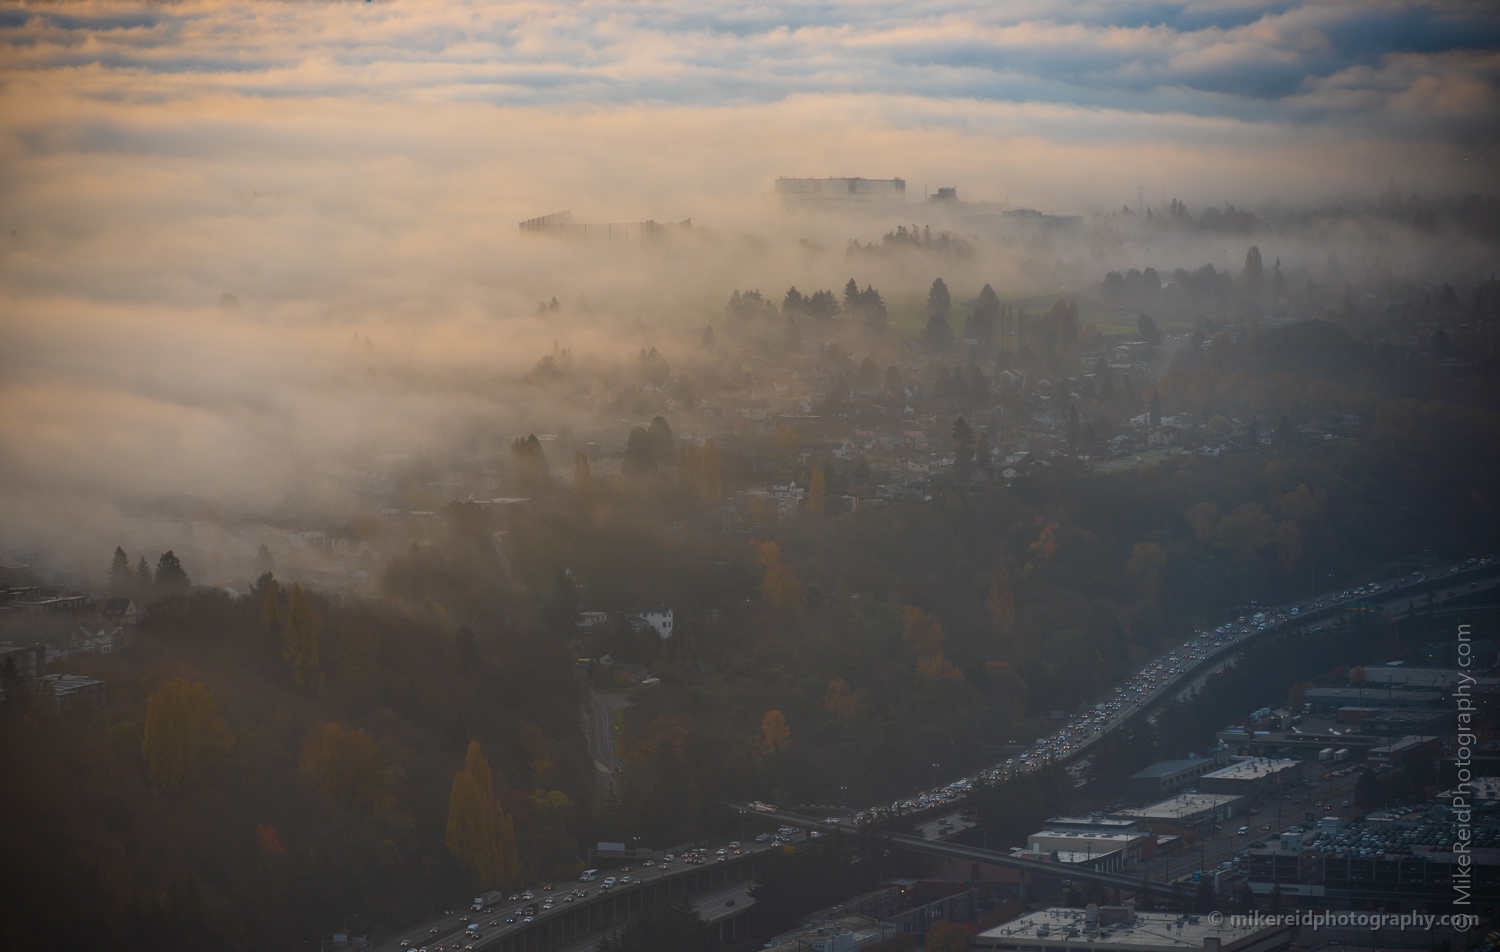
[(775, 735), (924, 635), (816, 493), (479, 833), (183, 730), (841, 702), (779, 586), (347, 768)]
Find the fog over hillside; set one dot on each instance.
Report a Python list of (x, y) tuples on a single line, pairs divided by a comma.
[(206, 204)]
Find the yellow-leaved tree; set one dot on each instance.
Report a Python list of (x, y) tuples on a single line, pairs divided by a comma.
[(925, 636), (300, 631), (480, 834), (349, 770), (779, 586), (841, 702), (815, 493), (774, 733), (183, 730), (1002, 603)]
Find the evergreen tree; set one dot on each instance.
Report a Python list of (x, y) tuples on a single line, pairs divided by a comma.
[(639, 459), (872, 308), (984, 324), (1073, 425), (263, 562), (1254, 272), (663, 446), (301, 629), (583, 478), (171, 579), (1155, 408), (938, 300), (963, 444), (938, 334), (1148, 330), (979, 387), (120, 578)]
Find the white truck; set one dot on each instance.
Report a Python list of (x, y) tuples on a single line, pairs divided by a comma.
[(1325, 755), (1341, 754), (487, 900)]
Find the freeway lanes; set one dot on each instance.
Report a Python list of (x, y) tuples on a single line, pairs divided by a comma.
[(1164, 676), (582, 918), (714, 909), (599, 728)]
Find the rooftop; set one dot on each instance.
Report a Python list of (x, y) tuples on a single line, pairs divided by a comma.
[(1163, 768), (1184, 804), (1091, 835), (1252, 769), (1062, 928)]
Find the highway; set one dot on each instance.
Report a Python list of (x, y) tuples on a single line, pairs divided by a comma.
[(1171, 673), (598, 725), (561, 908)]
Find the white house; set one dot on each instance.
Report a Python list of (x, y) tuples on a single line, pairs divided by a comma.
[(659, 618)]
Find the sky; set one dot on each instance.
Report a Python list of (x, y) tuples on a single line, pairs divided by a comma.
[(359, 168)]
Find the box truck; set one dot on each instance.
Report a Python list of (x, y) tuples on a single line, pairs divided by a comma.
[(488, 900)]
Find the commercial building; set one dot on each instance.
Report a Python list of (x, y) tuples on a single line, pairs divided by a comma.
[(562, 225), (1406, 723), (1185, 813), (1134, 847), (1166, 778), (1093, 824), (1398, 750), (835, 193), (1255, 777), (68, 689), (1328, 700), (1123, 929)]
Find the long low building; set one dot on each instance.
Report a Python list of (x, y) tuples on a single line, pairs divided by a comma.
[(1185, 813), (1253, 777), (1133, 846), (1122, 928), (1329, 700), (1166, 778)]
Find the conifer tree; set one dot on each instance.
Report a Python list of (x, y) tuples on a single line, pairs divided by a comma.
[(143, 579), (120, 577)]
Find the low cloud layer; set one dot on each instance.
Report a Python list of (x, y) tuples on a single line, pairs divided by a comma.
[(359, 168)]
